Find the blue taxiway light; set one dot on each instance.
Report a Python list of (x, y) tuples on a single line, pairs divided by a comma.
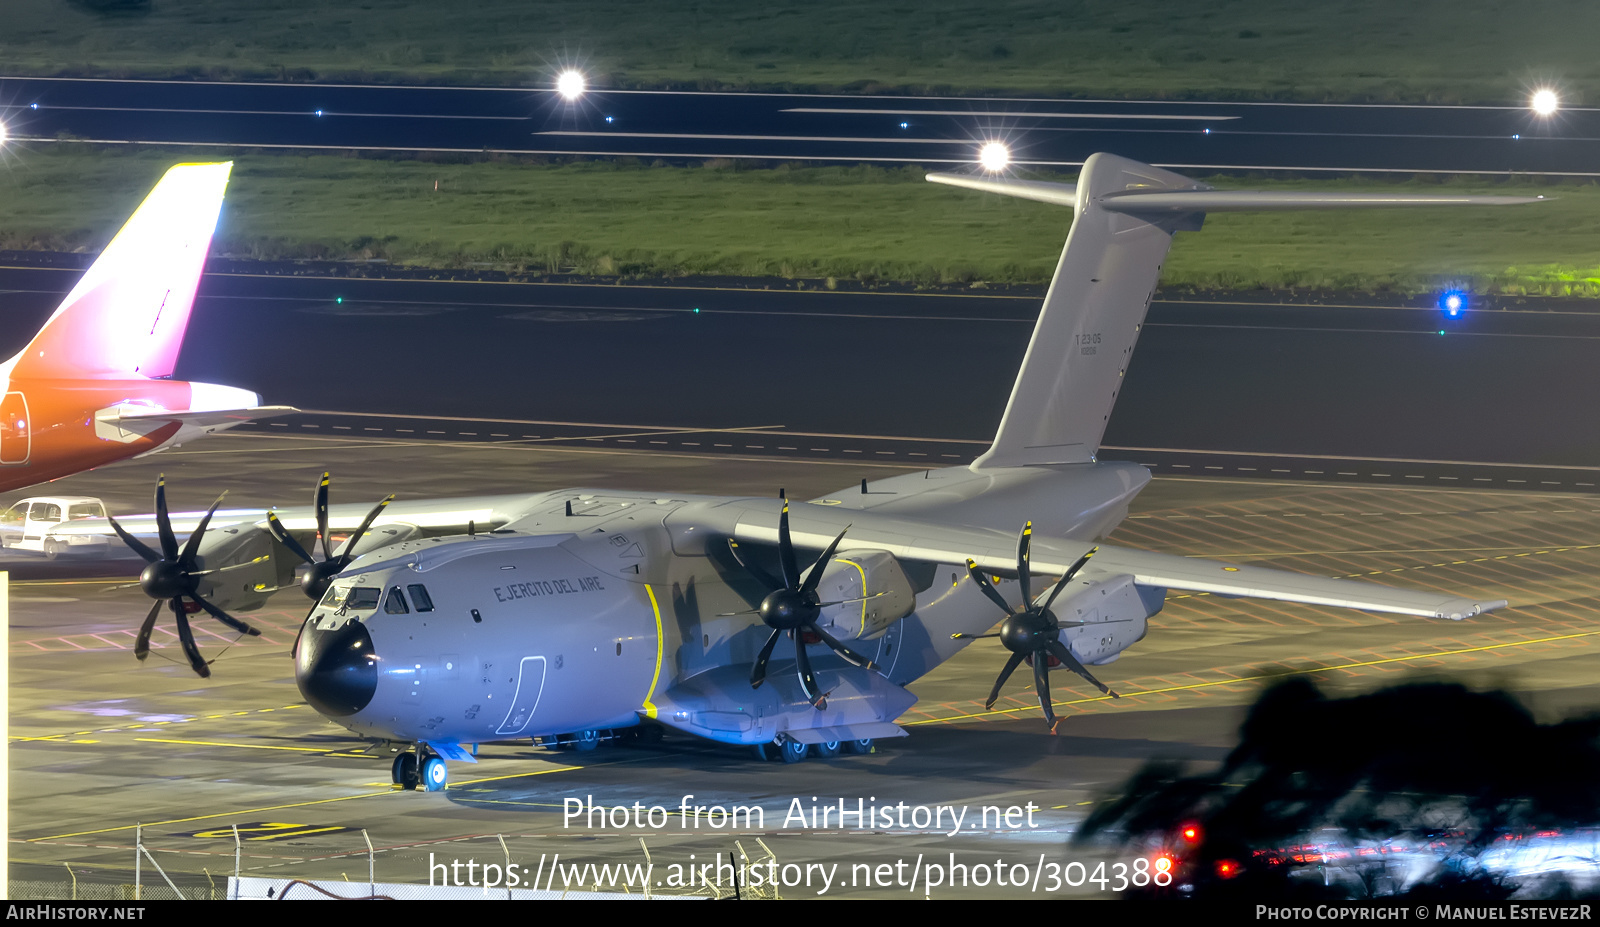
[(319, 112), (1208, 131), (611, 119), (33, 106), (1453, 303), (905, 125)]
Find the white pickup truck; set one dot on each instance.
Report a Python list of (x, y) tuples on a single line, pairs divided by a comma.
[(25, 526)]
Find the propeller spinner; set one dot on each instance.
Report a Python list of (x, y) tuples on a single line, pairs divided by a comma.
[(316, 580), (793, 607), (170, 578), (1033, 631)]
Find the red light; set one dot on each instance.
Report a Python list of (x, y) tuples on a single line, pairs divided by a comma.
[(1191, 833), (1164, 864), (1227, 868)]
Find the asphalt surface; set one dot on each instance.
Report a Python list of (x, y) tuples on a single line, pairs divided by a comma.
[(1339, 387), (101, 743), (698, 125)]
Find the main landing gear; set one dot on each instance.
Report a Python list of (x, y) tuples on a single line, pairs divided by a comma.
[(431, 774), (793, 751)]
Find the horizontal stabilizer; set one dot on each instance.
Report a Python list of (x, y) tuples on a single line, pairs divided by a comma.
[(130, 422), (1203, 198), (1061, 194)]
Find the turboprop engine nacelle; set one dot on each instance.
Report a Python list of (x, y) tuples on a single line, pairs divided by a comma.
[(873, 592), (253, 564), (1114, 611)]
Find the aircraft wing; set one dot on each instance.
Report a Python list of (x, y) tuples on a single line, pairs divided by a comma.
[(995, 551), (1191, 574)]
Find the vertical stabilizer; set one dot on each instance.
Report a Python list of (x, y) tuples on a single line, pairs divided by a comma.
[(1091, 317), (127, 315), (1124, 216)]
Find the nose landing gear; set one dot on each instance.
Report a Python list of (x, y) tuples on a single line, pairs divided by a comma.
[(431, 773)]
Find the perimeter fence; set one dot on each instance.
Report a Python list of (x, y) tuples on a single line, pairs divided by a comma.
[(271, 859)]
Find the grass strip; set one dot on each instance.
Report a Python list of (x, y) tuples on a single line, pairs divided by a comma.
[(873, 224), (1420, 50)]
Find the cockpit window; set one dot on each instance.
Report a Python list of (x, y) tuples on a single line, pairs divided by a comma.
[(358, 597), (395, 604), (420, 597)]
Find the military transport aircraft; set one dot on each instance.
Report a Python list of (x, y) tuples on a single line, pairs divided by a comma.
[(571, 616), (93, 386)]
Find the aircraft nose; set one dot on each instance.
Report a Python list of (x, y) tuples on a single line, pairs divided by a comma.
[(336, 669)]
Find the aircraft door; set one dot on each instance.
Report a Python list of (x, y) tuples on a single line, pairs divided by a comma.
[(16, 441), (530, 685)]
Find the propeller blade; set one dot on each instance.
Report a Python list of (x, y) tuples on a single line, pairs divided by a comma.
[(169, 543), (971, 637), (225, 618), (286, 539), (815, 575), (350, 545), (320, 503), (845, 653), (1067, 576), (1011, 665), (986, 587), (186, 562), (186, 638), (758, 672), (1024, 549), (766, 579), (137, 546), (791, 571), (1041, 685), (1060, 651), (808, 680), (141, 644)]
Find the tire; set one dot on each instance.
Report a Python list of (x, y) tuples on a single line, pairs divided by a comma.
[(52, 550), (857, 746), (404, 772), (792, 751), (584, 741), (435, 776), (825, 751)]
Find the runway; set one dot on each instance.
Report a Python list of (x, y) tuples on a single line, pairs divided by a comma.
[(101, 744), (935, 131), (1347, 376)]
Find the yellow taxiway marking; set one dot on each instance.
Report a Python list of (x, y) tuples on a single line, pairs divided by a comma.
[(307, 804), (335, 751), (1239, 679)]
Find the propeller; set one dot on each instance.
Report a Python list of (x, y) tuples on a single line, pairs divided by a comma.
[(792, 606), (170, 578), (1033, 632), (315, 581)]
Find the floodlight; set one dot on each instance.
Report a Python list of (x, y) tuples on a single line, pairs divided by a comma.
[(570, 84), (994, 157), (1544, 102)]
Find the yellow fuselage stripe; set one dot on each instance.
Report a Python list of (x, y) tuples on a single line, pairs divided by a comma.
[(649, 707)]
